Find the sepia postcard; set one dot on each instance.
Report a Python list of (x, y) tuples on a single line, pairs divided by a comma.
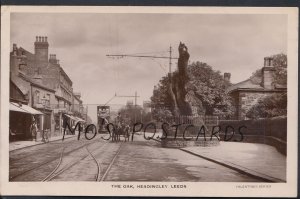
[(149, 101)]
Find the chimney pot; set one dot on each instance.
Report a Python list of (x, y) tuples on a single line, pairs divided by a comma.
[(15, 49), (36, 38), (46, 39), (39, 38), (227, 76), (268, 62)]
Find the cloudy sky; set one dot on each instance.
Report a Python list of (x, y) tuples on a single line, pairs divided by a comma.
[(230, 43)]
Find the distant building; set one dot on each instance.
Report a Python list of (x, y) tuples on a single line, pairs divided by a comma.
[(147, 106), (77, 106), (246, 93)]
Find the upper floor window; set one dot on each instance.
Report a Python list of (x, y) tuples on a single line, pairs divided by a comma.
[(48, 100), (37, 97)]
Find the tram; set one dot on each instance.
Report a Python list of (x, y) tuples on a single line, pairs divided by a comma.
[(103, 117)]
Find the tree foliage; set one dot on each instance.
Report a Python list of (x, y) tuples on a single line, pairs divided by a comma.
[(161, 100), (131, 114), (269, 106), (276, 104), (280, 74), (208, 86), (205, 90)]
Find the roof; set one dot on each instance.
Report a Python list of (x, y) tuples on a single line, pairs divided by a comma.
[(20, 83), (20, 49), (246, 84), (23, 108), (64, 73), (252, 85), (34, 83), (43, 87)]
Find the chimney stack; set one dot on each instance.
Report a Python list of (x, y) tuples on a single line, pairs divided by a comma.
[(227, 76), (268, 73), (14, 49), (53, 59), (18, 61), (41, 49)]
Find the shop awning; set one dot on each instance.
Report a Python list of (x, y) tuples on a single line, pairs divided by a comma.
[(15, 108), (24, 108), (69, 116), (79, 119)]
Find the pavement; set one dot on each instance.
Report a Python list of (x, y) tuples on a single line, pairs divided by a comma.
[(257, 160), (23, 144)]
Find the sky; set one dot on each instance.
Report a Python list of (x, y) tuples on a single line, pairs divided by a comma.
[(234, 43)]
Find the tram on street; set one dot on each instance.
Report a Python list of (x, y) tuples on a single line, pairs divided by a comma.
[(103, 117)]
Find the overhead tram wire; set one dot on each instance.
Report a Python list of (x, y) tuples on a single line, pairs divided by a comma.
[(118, 56), (143, 56), (158, 52)]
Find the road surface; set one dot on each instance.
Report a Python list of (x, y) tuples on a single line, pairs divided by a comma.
[(100, 160)]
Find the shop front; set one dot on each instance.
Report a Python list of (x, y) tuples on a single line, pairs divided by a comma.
[(20, 120)]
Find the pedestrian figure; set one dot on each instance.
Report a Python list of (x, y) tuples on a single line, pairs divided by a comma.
[(116, 131), (33, 129)]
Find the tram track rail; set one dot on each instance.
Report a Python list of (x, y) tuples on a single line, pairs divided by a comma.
[(46, 162), (111, 163), (53, 175), (97, 163)]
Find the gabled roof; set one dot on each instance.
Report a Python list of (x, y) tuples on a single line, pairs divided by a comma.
[(20, 49), (21, 84), (34, 82)]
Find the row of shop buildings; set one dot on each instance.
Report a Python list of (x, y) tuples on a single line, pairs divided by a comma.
[(41, 90)]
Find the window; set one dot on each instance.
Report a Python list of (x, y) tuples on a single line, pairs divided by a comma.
[(37, 97), (48, 100)]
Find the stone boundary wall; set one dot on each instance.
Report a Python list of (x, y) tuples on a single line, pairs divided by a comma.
[(271, 131)]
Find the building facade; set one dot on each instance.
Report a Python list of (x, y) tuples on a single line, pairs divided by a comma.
[(39, 81), (245, 94)]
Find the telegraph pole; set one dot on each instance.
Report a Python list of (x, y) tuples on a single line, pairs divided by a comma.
[(170, 60), (135, 102)]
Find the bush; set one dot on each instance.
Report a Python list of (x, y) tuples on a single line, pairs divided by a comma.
[(270, 106)]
